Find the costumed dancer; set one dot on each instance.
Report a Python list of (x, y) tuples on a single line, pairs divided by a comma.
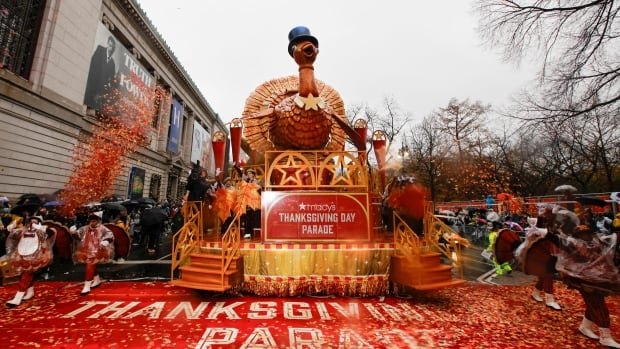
[(95, 245), (544, 283), (225, 197), (589, 262), (503, 268), (405, 196), (248, 202), (29, 248)]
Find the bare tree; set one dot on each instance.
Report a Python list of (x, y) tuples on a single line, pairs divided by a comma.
[(526, 159), (391, 120), (428, 149), (578, 44), (573, 152), (605, 135), (586, 149), (462, 121)]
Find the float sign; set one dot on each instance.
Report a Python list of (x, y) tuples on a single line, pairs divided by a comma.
[(315, 217)]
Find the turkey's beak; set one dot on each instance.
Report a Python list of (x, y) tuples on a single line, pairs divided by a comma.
[(309, 50)]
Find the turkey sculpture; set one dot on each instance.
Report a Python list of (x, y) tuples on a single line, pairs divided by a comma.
[(297, 112)]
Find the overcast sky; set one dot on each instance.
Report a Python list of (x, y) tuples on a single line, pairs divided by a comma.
[(421, 53)]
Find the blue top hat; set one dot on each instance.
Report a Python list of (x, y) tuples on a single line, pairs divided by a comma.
[(298, 34)]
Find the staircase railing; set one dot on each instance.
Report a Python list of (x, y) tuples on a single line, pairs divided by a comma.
[(406, 241), (231, 240), (444, 239), (188, 237), (437, 236), (407, 244)]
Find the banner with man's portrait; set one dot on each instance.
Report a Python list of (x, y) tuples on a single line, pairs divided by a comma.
[(202, 148), (114, 76)]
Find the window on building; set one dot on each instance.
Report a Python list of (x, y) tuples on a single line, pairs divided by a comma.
[(20, 23), (155, 187)]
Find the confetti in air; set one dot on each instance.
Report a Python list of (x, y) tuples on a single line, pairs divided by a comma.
[(124, 125)]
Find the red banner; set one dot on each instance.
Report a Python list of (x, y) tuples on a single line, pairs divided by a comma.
[(315, 216)]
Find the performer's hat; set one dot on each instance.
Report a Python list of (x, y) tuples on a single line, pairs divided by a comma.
[(95, 215), (250, 170), (38, 218), (298, 34)]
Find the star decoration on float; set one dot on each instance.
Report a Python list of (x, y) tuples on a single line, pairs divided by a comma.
[(310, 102), (342, 171), (291, 171)]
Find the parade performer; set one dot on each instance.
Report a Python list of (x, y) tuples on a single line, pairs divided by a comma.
[(29, 248), (95, 245), (588, 262), (503, 268), (225, 197), (544, 283), (248, 202)]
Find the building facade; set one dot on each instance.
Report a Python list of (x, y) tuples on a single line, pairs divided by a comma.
[(56, 59)]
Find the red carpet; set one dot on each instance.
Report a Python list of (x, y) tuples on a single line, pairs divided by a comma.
[(156, 315)]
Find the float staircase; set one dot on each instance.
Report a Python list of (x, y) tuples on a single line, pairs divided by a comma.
[(423, 274), (210, 270), (204, 272), (417, 261)]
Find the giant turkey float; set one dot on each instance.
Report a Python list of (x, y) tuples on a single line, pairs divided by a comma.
[(321, 230)]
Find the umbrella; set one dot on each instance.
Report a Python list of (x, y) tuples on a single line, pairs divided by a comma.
[(92, 205), (112, 198), (565, 188), (147, 201), (589, 201), (31, 208), (29, 199), (4, 199), (493, 216), (130, 204), (53, 203), (114, 206)]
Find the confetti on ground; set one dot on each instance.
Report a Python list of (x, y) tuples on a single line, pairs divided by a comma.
[(158, 315)]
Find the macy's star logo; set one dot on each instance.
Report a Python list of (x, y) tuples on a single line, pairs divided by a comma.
[(302, 207)]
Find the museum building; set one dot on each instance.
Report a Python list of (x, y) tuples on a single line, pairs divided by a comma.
[(58, 59)]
